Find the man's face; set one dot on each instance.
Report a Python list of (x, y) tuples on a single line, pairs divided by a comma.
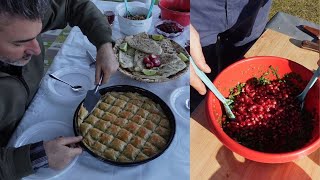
[(18, 41)]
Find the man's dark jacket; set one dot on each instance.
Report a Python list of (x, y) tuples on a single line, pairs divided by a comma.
[(18, 85)]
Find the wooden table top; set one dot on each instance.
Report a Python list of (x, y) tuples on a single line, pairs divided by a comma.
[(210, 159)]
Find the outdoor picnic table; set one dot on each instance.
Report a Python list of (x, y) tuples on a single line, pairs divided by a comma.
[(49, 105), (210, 159)]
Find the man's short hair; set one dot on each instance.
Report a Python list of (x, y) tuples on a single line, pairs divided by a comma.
[(27, 9)]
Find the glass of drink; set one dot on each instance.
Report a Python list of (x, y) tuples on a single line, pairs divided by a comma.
[(110, 16)]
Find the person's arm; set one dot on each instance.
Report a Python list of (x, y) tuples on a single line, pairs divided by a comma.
[(198, 57), (82, 13), (60, 151), (92, 23), (56, 153), (14, 162)]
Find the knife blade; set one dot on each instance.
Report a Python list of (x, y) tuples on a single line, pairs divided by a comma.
[(93, 95)]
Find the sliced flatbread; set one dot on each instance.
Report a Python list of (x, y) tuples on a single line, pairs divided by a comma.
[(163, 73), (166, 58), (172, 69), (138, 60), (143, 44), (125, 60), (166, 46), (155, 77), (172, 66)]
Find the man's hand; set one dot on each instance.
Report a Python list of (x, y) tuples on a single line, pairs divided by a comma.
[(106, 63), (197, 56), (59, 154)]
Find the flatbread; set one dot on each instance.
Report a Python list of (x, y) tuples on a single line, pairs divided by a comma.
[(171, 64), (166, 46), (171, 68), (167, 58), (155, 77), (138, 60), (125, 60), (143, 44)]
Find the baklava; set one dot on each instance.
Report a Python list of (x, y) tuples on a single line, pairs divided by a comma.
[(125, 127)]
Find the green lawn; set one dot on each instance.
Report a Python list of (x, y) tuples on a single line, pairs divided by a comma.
[(305, 9)]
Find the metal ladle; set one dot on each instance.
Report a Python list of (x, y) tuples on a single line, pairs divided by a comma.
[(302, 95), (74, 88)]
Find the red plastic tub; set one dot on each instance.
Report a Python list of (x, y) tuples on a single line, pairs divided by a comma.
[(175, 10), (241, 71)]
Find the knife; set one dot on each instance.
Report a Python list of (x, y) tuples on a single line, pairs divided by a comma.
[(93, 96), (313, 31), (309, 45), (91, 58)]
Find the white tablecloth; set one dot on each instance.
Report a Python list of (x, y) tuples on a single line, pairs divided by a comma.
[(172, 164)]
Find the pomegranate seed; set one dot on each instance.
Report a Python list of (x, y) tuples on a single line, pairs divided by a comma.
[(146, 60), (152, 57), (156, 62), (149, 65)]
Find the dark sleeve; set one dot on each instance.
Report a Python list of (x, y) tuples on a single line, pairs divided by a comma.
[(38, 156), (14, 162), (82, 13)]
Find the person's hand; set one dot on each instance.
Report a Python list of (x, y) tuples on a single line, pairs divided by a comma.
[(106, 63), (59, 154), (197, 55)]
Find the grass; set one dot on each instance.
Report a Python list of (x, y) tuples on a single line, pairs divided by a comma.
[(305, 9)]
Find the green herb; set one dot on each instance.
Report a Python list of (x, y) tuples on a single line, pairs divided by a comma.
[(274, 72), (263, 81), (240, 86), (236, 90)]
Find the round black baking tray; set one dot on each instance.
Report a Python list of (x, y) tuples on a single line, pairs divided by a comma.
[(144, 92)]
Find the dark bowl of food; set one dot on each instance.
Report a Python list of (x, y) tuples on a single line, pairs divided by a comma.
[(169, 28), (270, 126)]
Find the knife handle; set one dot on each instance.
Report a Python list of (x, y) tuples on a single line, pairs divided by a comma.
[(310, 46), (98, 85), (314, 31), (90, 56)]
